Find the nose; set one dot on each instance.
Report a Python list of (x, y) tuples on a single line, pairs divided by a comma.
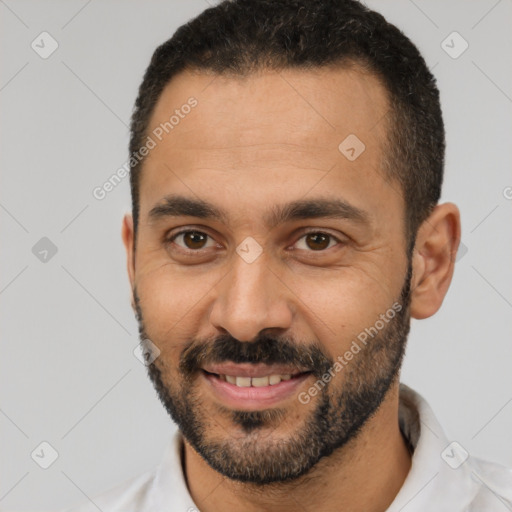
[(251, 297)]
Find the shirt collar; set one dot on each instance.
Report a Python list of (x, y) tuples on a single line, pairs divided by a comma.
[(432, 484)]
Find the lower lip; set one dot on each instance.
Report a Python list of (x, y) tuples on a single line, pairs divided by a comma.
[(253, 398)]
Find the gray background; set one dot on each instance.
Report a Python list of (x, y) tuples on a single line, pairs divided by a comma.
[(68, 373)]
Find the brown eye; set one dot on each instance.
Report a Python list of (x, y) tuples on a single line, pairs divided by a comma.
[(192, 240), (317, 241)]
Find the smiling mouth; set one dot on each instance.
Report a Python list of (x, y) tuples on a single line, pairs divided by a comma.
[(244, 381), (251, 387)]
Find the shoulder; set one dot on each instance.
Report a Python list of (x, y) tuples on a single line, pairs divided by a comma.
[(450, 479), (494, 483), (163, 487), (132, 495)]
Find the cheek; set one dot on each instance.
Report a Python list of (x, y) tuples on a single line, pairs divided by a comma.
[(339, 308), (172, 302)]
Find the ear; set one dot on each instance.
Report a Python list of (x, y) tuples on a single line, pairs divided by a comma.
[(433, 261), (128, 238)]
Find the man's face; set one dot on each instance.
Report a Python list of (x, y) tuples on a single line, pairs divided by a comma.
[(252, 308)]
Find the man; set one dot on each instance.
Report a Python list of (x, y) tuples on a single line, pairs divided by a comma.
[(287, 162)]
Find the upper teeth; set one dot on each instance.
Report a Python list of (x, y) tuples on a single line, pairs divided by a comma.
[(255, 381)]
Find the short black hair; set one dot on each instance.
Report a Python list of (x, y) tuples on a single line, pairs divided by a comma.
[(237, 37)]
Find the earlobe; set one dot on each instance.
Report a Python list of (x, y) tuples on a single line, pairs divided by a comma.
[(434, 259), (128, 238)]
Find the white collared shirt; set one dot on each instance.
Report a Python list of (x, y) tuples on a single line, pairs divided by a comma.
[(443, 476)]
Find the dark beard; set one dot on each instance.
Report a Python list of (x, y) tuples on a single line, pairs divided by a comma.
[(338, 416)]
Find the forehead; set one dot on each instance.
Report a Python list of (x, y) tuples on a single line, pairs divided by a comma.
[(298, 105), (266, 134)]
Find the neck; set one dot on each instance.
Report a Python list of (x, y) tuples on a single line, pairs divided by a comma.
[(365, 474)]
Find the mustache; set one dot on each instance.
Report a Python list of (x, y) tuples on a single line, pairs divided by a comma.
[(265, 350)]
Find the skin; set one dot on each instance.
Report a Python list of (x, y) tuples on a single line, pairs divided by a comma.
[(251, 143)]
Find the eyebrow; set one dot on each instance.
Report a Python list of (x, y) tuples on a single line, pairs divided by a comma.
[(314, 208)]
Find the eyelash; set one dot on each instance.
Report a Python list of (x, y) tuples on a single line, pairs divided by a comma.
[(172, 238)]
